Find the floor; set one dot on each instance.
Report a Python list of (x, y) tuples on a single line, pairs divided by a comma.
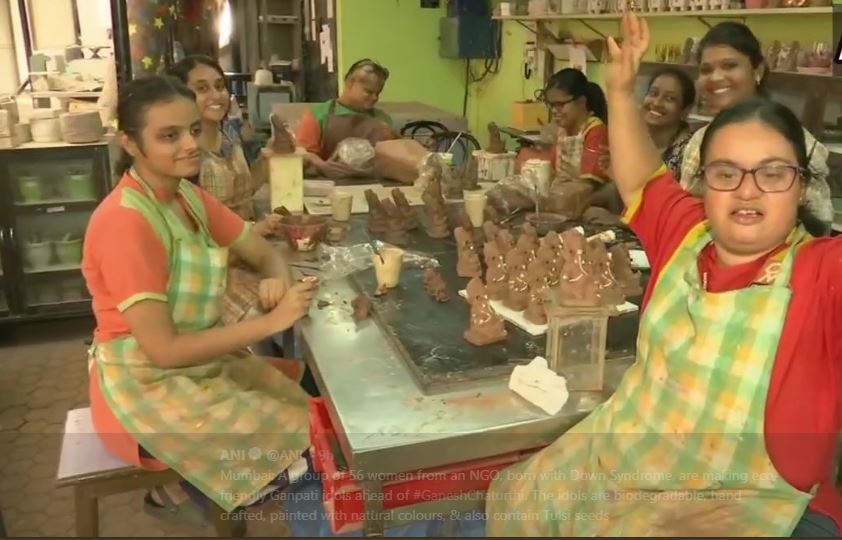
[(43, 375)]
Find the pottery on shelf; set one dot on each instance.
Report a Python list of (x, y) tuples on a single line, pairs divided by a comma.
[(80, 187), (69, 250), (31, 188), (39, 254)]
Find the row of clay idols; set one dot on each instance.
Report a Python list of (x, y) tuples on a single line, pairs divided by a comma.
[(435, 208), (522, 273), (391, 218)]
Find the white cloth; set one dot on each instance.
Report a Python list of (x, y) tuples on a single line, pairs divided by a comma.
[(539, 385)]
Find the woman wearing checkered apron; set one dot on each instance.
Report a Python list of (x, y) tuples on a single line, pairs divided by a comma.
[(171, 386), (226, 174), (726, 423)]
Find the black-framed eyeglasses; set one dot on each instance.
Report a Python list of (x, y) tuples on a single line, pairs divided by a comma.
[(768, 178), (375, 68), (541, 95)]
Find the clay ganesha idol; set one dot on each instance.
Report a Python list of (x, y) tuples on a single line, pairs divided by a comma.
[(486, 326)]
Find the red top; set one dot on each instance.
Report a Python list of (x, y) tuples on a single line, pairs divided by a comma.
[(124, 261), (804, 405)]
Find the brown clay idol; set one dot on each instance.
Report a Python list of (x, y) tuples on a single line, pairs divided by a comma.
[(609, 291), (435, 285), (551, 260), (468, 263), (395, 233), (537, 274), (282, 141), (465, 220), (470, 174), (408, 216), (495, 141), (628, 279), (436, 211), (486, 326), (496, 275), (489, 230), (505, 240), (491, 214), (377, 217), (525, 245), (529, 231), (576, 288), (517, 297)]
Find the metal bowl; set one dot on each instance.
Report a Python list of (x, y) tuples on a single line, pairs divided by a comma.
[(546, 221)]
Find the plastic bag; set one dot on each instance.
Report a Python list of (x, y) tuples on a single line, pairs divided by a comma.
[(511, 195), (337, 262), (356, 153)]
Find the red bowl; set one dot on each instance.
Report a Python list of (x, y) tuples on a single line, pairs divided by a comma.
[(304, 232)]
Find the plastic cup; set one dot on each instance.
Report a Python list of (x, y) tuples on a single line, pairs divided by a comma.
[(388, 269), (475, 202), (341, 203)]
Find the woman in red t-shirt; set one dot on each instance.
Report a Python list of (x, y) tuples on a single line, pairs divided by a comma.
[(727, 422)]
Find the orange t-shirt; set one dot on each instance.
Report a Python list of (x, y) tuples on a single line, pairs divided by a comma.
[(125, 262)]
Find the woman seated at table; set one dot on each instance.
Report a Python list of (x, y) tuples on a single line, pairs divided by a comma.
[(669, 99), (169, 387), (732, 69), (225, 174), (726, 424), (353, 114)]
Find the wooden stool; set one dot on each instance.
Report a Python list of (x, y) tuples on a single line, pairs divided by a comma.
[(92, 472)]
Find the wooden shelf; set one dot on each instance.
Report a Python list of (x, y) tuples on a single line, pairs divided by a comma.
[(657, 14), (773, 73)]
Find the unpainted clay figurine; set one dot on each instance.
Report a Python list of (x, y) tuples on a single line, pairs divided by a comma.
[(489, 230), (470, 174), (486, 326), (496, 275), (524, 244), (465, 220), (576, 288), (537, 275), (505, 240), (435, 285), (609, 291), (282, 140), (628, 279), (408, 215), (517, 297), (495, 141), (468, 264), (395, 233), (436, 210), (531, 232), (551, 260), (377, 217)]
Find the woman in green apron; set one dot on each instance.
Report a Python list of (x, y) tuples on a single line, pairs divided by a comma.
[(726, 423), (170, 386), (225, 173)]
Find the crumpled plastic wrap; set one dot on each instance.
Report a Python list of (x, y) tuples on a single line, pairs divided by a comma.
[(511, 195), (337, 262), (356, 153)]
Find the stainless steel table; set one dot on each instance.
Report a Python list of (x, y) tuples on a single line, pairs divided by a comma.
[(385, 424)]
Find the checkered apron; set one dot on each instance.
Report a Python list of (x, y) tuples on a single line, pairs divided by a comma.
[(679, 449), (230, 426)]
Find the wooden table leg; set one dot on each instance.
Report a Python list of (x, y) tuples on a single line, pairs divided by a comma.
[(373, 519), (87, 514)]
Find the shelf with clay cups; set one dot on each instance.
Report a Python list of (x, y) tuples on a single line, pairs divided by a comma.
[(773, 74), (722, 13), (53, 268)]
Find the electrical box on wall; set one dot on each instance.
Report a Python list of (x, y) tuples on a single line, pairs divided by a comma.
[(469, 36), (431, 4)]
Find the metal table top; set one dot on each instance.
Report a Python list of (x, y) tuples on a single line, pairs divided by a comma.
[(386, 424)]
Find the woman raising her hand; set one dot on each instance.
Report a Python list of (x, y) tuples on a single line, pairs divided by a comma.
[(726, 423)]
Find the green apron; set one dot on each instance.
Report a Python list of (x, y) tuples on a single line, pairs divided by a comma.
[(230, 426), (679, 449)]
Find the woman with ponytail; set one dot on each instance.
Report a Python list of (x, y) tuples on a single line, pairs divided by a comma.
[(580, 113)]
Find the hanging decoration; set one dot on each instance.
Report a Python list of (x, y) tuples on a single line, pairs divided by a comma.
[(150, 25)]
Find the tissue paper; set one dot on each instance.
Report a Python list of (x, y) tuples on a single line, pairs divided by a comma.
[(539, 385)]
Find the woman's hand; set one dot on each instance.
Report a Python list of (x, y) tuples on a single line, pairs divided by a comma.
[(294, 305), (271, 291), (268, 226), (626, 57), (335, 169)]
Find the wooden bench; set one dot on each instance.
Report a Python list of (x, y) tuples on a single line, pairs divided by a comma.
[(92, 472)]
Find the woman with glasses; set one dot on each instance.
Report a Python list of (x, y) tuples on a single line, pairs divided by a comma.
[(353, 114), (726, 423), (732, 69)]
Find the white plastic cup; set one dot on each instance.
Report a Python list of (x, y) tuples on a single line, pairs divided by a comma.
[(475, 202), (341, 203), (388, 269)]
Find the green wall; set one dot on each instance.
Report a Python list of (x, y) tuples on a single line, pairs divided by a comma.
[(404, 37)]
